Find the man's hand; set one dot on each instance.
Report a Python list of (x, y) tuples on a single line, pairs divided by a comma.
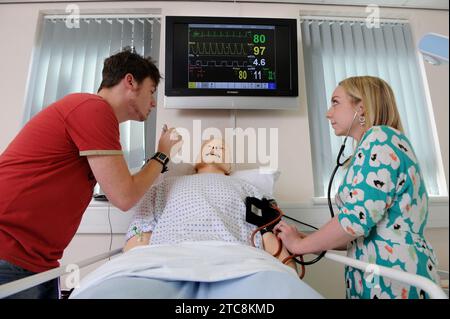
[(170, 141)]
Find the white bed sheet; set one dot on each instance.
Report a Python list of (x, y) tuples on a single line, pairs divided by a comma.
[(207, 261)]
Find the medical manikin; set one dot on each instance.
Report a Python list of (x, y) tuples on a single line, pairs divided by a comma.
[(208, 205)]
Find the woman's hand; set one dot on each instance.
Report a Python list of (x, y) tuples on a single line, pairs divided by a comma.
[(289, 235), (330, 236)]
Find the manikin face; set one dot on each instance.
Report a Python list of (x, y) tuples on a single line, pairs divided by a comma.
[(140, 99), (214, 153), (342, 112)]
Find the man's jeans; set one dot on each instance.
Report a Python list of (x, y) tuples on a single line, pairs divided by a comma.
[(46, 290)]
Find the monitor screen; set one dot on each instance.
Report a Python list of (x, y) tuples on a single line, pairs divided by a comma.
[(221, 56)]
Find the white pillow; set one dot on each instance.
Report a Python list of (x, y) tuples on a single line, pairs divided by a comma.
[(264, 180)]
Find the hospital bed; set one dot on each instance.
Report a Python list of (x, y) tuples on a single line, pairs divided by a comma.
[(433, 290)]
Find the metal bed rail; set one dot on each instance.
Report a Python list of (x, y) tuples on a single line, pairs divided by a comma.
[(433, 290), (427, 285), (22, 284)]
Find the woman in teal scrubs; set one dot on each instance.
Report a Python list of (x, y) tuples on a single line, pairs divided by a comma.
[(382, 201)]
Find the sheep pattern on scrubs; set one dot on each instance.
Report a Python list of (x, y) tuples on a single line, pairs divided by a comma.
[(383, 202), (196, 207)]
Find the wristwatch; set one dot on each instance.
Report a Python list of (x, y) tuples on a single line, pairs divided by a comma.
[(163, 159)]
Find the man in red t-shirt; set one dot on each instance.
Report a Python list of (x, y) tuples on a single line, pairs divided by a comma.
[(49, 170)]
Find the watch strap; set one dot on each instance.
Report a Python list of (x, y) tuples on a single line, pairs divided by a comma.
[(161, 158), (264, 230)]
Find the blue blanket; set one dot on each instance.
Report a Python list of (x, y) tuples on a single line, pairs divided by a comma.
[(261, 285)]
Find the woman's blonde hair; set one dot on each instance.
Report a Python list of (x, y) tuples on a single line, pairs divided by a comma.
[(377, 98)]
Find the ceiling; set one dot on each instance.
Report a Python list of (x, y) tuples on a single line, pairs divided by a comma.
[(418, 4)]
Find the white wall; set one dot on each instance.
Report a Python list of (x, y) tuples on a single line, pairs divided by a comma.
[(18, 25), (18, 28)]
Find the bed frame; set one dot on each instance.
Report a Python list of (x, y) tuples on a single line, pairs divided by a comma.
[(433, 290)]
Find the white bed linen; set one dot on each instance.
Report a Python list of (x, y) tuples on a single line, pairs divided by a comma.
[(205, 261)]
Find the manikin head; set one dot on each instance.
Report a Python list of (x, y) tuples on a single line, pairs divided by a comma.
[(214, 156)]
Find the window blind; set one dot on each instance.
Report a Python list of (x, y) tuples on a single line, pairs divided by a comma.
[(334, 50), (70, 59)]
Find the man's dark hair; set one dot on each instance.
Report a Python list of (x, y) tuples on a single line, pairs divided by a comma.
[(127, 61)]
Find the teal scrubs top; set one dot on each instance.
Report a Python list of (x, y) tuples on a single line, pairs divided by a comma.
[(383, 202)]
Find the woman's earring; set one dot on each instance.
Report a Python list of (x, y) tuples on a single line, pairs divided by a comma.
[(362, 120)]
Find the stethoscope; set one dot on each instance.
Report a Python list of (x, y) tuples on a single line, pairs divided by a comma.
[(339, 163)]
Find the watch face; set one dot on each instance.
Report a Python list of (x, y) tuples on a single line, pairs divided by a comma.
[(162, 157)]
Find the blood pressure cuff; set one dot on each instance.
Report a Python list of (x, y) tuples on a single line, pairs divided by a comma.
[(260, 212)]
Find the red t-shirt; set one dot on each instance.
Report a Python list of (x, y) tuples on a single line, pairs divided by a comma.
[(46, 182)]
